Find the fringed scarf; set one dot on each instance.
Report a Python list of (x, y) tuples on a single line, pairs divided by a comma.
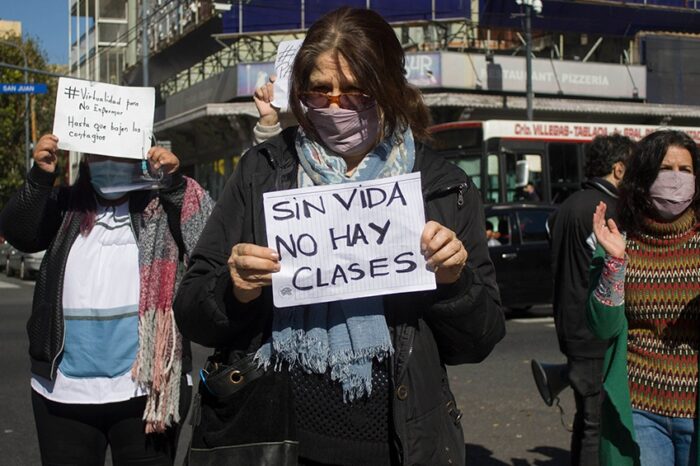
[(341, 337), (395, 155), (158, 365)]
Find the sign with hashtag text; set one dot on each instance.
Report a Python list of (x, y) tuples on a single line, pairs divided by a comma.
[(286, 53), (104, 119)]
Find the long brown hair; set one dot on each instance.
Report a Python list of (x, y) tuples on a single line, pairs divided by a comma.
[(376, 59)]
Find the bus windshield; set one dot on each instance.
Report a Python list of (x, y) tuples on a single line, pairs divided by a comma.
[(457, 139), (463, 147), (471, 165)]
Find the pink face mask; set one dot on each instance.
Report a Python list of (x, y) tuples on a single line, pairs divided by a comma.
[(672, 192), (346, 132)]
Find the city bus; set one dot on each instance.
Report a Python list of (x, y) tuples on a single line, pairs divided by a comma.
[(503, 156)]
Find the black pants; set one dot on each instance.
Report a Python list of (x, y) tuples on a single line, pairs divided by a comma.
[(586, 376), (78, 435)]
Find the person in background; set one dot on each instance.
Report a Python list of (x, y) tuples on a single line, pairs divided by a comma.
[(491, 236), (645, 298), (108, 364), (359, 119), (530, 193), (573, 244)]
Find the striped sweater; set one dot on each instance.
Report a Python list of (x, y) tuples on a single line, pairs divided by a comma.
[(662, 306)]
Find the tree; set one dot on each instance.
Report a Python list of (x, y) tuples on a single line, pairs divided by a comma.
[(12, 110)]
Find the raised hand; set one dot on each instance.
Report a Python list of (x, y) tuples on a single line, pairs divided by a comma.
[(251, 267), (160, 157), (607, 234), (264, 95), (444, 252), (45, 153)]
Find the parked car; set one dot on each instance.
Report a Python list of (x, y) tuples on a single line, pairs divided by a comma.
[(520, 251), (25, 265)]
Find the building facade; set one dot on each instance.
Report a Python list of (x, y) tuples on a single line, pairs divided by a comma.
[(10, 28), (593, 61)]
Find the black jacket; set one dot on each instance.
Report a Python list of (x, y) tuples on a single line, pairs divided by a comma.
[(573, 243), (455, 324), (36, 218)]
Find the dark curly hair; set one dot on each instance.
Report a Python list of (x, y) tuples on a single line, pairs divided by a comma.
[(376, 59), (641, 171), (606, 151)]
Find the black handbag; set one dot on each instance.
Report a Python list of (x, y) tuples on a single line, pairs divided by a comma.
[(243, 415)]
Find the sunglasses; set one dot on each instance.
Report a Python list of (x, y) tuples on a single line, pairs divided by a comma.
[(350, 101)]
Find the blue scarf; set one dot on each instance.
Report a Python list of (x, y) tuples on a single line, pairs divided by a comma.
[(342, 337)]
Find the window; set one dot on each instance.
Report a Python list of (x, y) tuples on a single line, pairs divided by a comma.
[(493, 186), (563, 170), (472, 167), (533, 225), (523, 170), (457, 138), (498, 230)]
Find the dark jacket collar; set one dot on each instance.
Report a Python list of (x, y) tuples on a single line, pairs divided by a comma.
[(601, 185)]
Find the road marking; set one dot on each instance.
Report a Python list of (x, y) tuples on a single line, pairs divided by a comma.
[(535, 320), (8, 285)]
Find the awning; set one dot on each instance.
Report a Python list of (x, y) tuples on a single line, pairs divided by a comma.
[(454, 99)]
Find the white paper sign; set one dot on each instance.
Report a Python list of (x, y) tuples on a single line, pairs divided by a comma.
[(347, 240), (286, 52), (105, 119)]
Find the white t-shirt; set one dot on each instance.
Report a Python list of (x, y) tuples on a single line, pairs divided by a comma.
[(100, 308)]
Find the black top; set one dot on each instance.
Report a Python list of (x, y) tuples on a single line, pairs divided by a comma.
[(573, 244), (453, 324), (332, 431)]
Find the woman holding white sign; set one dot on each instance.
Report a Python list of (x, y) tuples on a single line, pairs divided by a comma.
[(108, 364), (359, 381)]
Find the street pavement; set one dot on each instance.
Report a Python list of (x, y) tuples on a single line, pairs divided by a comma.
[(505, 421)]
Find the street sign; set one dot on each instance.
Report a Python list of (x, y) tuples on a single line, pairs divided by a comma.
[(23, 88)]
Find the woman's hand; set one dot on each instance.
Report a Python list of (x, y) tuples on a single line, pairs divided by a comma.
[(251, 267), (45, 153), (263, 97), (607, 233), (444, 252), (160, 157)]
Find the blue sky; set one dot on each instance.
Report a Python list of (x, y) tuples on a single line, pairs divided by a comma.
[(45, 20)]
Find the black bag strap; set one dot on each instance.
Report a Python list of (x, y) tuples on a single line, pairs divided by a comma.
[(223, 380)]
